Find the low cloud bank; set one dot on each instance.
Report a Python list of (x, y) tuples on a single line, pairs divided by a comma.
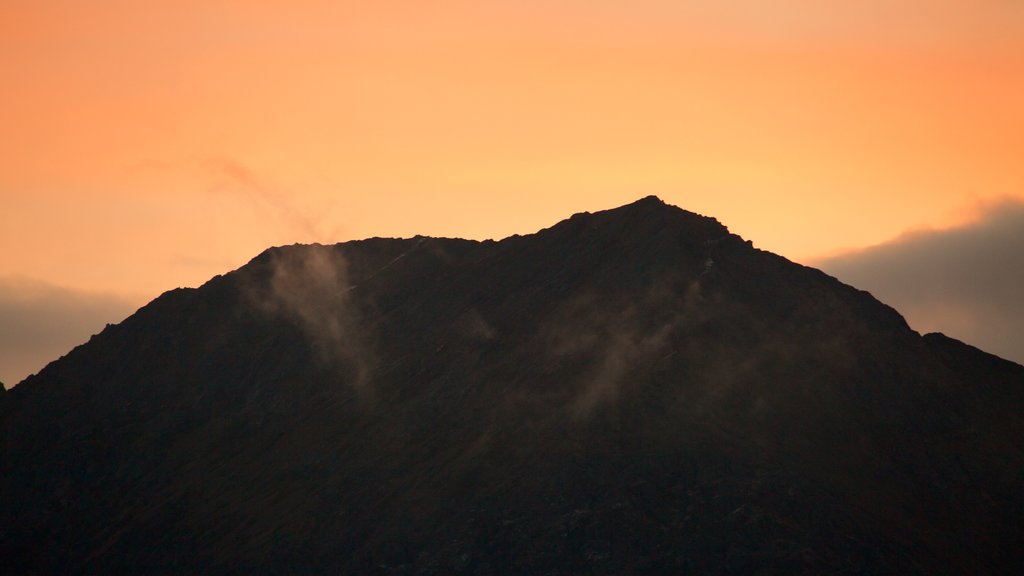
[(40, 322), (966, 282)]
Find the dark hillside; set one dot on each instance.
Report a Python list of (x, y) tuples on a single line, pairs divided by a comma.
[(635, 391)]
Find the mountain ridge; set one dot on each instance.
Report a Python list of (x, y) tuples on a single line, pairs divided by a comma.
[(637, 208), (635, 390)]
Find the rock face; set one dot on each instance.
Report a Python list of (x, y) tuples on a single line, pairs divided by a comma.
[(635, 391)]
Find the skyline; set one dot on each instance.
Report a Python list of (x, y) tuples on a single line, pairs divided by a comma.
[(152, 145)]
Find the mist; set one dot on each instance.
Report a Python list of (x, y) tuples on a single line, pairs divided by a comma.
[(967, 282), (309, 286)]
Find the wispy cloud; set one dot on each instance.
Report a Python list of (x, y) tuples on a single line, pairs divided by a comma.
[(309, 286), (967, 282), (39, 322), (232, 175), (621, 334)]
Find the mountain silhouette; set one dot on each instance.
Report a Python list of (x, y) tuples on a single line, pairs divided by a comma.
[(633, 391)]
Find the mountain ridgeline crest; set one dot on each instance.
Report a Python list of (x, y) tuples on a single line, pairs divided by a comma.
[(632, 391)]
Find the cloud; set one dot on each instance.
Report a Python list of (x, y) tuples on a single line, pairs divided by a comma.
[(967, 282), (230, 175), (39, 322)]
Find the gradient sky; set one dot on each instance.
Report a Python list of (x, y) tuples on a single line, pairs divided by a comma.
[(150, 144)]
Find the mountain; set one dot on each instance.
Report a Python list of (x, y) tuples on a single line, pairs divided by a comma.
[(634, 391)]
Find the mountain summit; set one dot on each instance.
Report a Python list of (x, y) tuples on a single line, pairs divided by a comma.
[(633, 391)]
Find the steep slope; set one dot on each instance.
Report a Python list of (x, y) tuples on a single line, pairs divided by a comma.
[(631, 391)]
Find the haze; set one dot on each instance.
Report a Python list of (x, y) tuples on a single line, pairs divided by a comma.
[(150, 145)]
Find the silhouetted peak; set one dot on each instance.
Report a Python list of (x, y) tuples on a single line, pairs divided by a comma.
[(647, 204), (645, 217), (635, 389), (650, 200)]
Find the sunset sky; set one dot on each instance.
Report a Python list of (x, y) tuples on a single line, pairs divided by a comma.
[(151, 144)]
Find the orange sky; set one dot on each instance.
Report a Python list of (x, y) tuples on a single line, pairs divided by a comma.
[(148, 144)]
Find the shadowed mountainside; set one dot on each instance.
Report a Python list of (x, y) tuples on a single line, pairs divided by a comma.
[(635, 391)]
